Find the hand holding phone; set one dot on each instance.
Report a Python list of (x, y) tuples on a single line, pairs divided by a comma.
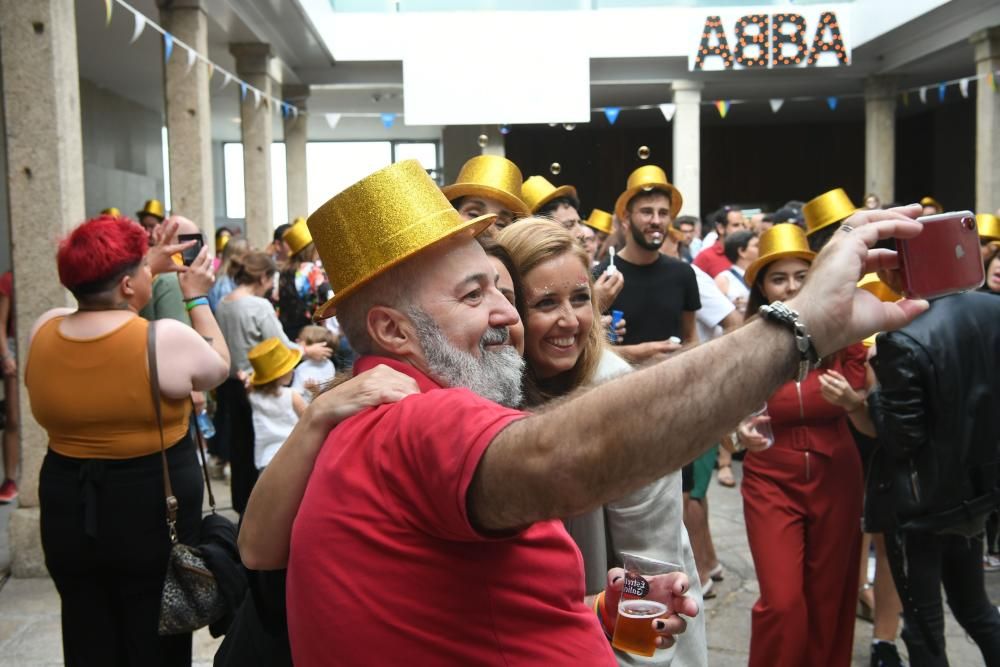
[(188, 255), (943, 259)]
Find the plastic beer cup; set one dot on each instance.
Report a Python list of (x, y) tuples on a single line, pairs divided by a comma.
[(634, 631)]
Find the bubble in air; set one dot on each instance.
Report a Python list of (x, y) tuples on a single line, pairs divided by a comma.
[(482, 140), (570, 126), (555, 168), (643, 152)]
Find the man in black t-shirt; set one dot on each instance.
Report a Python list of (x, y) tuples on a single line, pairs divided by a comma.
[(660, 296)]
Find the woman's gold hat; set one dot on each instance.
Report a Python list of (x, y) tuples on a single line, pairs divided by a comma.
[(297, 236), (492, 177), (537, 192), (828, 208), (113, 211), (380, 221), (153, 207), (600, 220), (270, 360), (871, 283), (782, 241), (644, 179), (930, 201), (989, 226)]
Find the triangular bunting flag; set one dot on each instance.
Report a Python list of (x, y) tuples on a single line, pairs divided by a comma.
[(140, 24), (243, 91), (963, 86), (941, 89), (723, 107), (923, 94), (226, 80), (256, 98), (332, 119), (832, 103), (211, 69), (192, 57), (388, 119), (107, 12), (611, 113), (668, 111), (776, 104), (168, 46)]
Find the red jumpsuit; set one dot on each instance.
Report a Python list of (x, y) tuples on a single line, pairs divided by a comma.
[(802, 503)]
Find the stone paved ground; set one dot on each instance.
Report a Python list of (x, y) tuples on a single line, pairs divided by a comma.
[(30, 632)]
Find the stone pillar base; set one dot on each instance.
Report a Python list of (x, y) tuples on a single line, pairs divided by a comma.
[(25, 535)]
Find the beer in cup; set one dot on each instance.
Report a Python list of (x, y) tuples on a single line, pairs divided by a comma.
[(636, 612)]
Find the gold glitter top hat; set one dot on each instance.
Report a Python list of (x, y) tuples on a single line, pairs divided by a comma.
[(871, 283), (270, 360), (113, 211), (153, 207), (378, 222), (930, 201), (297, 236), (782, 241), (537, 192), (989, 226), (600, 220), (827, 209), (491, 177), (644, 179)]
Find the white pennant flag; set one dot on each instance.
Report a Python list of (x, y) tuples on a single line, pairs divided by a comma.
[(226, 80), (776, 104), (668, 111), (295, 113), (923, 94), (331, 119), (256, 98), (963, 86), (140, 24), (192, 57)]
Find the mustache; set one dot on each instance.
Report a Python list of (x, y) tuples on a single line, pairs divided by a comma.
[(494, 336)]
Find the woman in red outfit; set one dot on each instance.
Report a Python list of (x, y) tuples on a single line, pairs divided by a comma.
[(802, 496)]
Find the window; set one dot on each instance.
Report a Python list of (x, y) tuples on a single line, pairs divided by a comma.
[(232, 157)]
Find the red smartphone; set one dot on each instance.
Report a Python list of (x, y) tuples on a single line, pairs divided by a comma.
[(944, 258)]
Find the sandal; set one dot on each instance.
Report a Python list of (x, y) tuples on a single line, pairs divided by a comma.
[(725, 476), (716, 573)]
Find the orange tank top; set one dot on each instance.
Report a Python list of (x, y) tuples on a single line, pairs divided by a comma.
[(92, 395)]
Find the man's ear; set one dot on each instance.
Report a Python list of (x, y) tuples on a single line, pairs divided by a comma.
[(392, 331)]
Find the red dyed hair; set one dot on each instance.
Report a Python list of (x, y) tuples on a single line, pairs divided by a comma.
[(98, 250)]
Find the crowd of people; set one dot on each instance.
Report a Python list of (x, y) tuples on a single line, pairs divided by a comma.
[(534, 394)]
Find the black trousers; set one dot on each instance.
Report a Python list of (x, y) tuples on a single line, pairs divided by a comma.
[(234, 410), (106, 544), (956, 562)]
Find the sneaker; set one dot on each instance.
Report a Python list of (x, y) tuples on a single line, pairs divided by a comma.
[(8, 491), (991, 563), (884, 654)]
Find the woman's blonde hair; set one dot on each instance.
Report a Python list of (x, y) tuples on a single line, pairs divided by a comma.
[(531, 242)]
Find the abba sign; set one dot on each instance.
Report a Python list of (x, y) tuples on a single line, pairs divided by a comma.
[(765, 41)]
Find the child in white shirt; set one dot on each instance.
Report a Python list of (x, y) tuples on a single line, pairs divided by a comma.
[(311, 375), (276, 407)]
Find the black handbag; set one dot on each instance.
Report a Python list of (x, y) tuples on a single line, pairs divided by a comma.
[(191, 597)]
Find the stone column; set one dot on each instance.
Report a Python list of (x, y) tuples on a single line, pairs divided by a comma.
[(685, 172), (189, 118), (494, 141), (880, 138), (987, 45), (41, 97), (252, 65), (295, 152)]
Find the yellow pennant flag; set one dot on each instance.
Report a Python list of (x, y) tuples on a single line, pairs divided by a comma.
[(107, 12)]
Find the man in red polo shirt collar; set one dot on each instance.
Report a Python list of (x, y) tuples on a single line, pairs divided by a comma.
[(712, 260), (428, 532)]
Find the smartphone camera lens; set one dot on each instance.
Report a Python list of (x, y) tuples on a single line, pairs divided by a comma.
[(969, 223)]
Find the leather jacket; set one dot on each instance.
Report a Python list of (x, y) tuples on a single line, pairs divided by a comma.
[(937, 412)]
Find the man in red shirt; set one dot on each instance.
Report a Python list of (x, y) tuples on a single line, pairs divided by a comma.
[(428, 532), (712, 260)]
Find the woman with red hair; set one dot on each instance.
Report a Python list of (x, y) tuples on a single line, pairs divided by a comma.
[(101, 490)]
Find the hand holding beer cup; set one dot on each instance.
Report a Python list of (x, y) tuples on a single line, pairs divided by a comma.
[(644, 603)]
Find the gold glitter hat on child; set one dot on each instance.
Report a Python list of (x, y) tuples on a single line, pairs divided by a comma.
[(380, 221), (271, 360)]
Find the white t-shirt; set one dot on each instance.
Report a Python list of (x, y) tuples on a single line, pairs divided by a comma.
[(714, 306), (737, 287), (316, 371), (273, 421)]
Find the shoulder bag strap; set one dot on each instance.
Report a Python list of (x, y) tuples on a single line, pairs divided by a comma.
[(203, 455), (154, 385)]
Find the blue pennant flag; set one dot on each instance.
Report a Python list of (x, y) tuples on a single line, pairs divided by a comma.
[(832, 103), (941, 89), (243, 90), (168, 46), (388, 119), (611, 113)]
